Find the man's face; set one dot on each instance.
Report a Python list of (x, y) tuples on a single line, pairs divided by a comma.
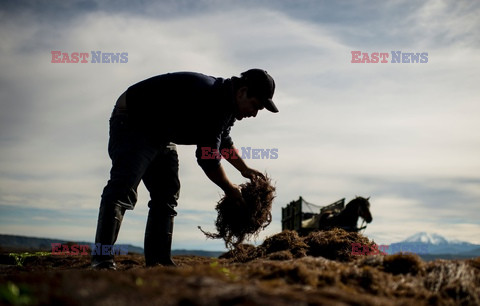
[(246, 106)]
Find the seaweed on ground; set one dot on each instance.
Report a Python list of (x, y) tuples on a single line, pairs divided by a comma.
[(286, 241), (335, 244), (241, 253)]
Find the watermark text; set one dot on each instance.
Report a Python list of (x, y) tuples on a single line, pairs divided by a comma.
[(363, 249), (83, 249), (246, 153), (84, 57), (359, 249), (383, 57)]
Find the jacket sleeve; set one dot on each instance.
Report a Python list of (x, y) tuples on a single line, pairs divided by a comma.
[(209, 153)]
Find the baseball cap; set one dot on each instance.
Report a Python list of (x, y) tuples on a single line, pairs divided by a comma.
[(262, 86)]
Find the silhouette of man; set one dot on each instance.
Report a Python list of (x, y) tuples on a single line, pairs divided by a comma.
[(148, 120)]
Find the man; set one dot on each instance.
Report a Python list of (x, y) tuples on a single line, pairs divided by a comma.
[(148, 120)]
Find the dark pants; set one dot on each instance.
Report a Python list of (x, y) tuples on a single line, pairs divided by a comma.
[(135, 159)]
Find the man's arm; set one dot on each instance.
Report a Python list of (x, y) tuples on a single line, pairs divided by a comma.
[(219, 177), (236, 161)]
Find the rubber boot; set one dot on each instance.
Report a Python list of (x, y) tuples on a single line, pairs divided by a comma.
[(109, 220), (158, 238)]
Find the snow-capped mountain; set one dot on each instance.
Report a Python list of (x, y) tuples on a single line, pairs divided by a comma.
[(431, 244), (424, 237)]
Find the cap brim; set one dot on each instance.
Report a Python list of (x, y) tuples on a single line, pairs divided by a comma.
[(270, 106)]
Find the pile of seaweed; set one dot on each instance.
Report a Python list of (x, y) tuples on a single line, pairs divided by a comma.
[(239, 221), (324, 259), (335, 244), (400, 279)]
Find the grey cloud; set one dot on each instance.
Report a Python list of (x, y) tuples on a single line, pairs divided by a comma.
[(445, 198), (342, 130)]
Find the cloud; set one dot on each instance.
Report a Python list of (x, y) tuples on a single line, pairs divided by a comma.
[(401, 133)]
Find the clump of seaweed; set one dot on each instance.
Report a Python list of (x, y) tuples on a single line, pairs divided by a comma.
[(239, 221), (282, 246), (335, 244), (286, 241), (241, 253), (403, 264)]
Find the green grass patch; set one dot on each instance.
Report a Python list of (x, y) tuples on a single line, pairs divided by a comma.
[(20, 257)]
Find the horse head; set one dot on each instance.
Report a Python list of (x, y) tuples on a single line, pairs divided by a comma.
[(363, 206)]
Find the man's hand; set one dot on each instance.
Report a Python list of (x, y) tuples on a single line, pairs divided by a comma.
[(235, 193), (218, 176), (242, 167), (252, 174)]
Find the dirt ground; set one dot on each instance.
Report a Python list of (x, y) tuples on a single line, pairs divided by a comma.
[(284, 270)]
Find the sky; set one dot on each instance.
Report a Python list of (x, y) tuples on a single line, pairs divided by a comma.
[(404, 134)]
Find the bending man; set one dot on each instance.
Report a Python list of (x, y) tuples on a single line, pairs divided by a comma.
[(148, 120)]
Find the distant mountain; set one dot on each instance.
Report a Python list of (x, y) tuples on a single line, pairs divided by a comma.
[(473, 252), (23, 243), (424, 237), (13, 243), (197, 253), (432, 246)]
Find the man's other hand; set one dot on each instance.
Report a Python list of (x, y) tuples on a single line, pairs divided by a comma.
[(234, 192), (252, 174)]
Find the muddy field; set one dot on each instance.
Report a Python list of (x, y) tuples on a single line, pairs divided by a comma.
[(284, 270)]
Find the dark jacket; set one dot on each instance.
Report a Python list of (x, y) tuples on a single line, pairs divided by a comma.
[(184, 108)]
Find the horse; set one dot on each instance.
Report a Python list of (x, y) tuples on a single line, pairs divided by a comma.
[(348, 217)]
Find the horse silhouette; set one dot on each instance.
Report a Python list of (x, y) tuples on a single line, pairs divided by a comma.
[(345, 219)]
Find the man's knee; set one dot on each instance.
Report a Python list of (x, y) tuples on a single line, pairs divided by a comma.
[(163, 208), (120, 194)]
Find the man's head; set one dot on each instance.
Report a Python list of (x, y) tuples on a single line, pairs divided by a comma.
[(254, 93)]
